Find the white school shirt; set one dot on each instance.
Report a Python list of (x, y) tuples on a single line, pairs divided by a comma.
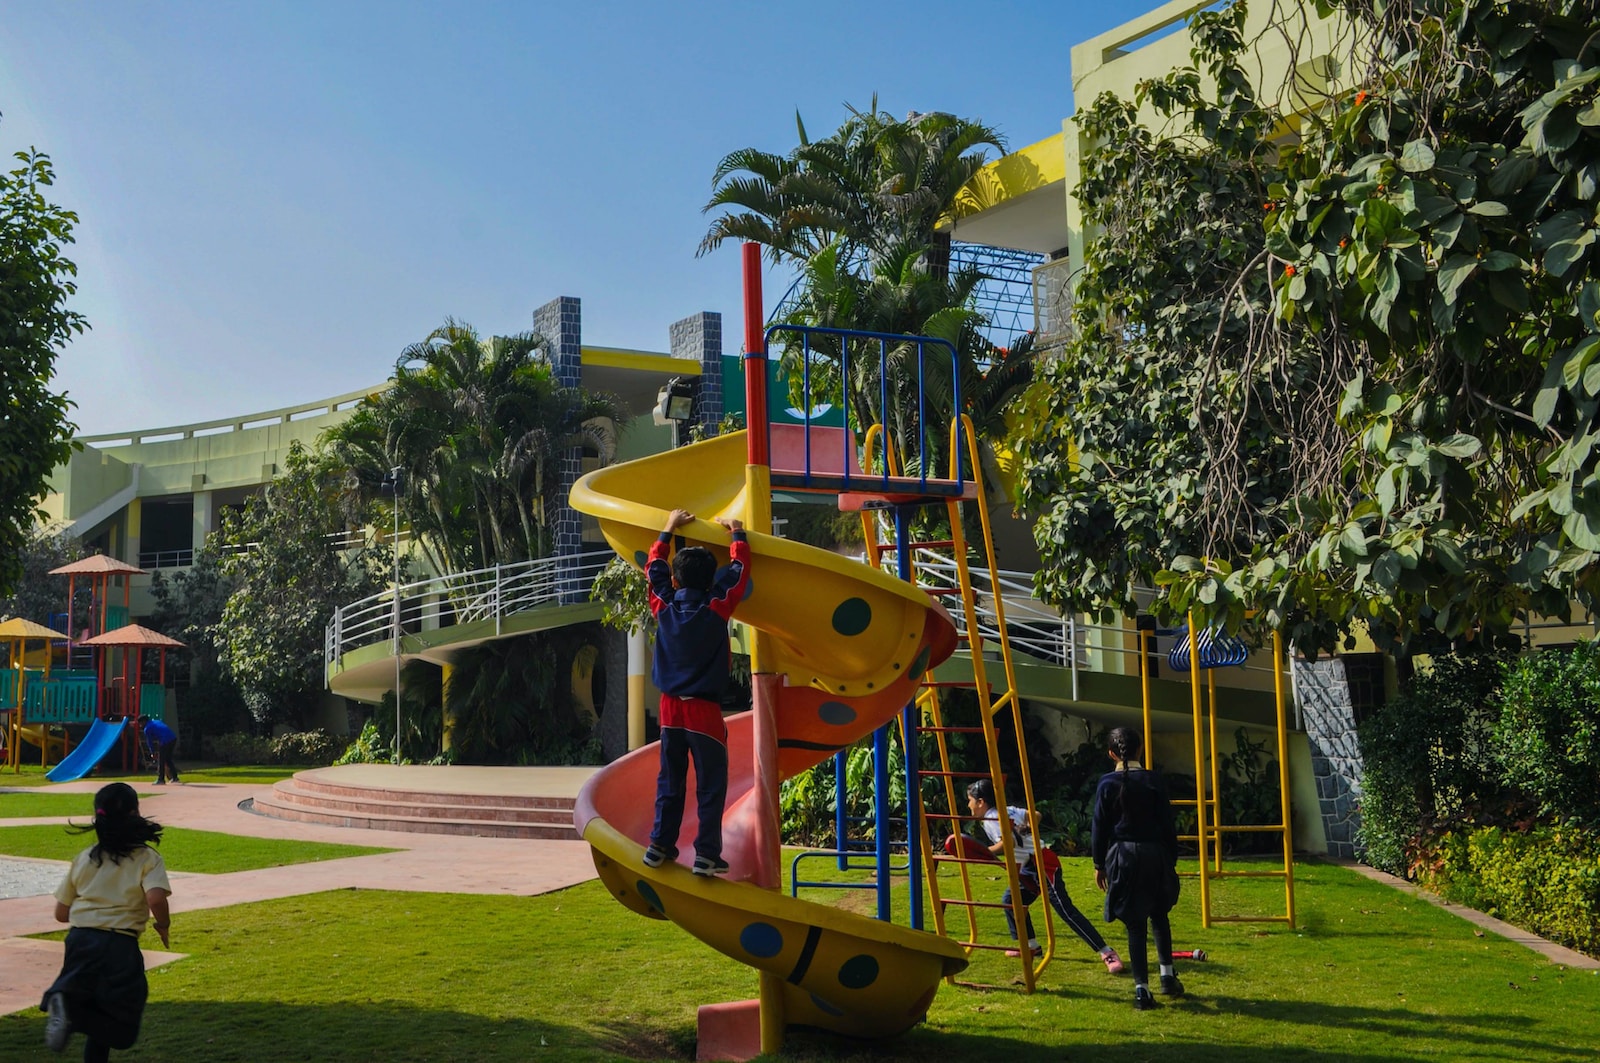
[(1021, 837)]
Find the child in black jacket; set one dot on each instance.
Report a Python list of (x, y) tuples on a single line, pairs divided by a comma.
[(1134, 841), (692, 602)]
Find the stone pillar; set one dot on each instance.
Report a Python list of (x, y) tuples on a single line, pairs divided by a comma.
[(560, 322), (204, 519), (1330, 722), (699, 338)]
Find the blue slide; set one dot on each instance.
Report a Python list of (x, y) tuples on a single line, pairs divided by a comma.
[(102, 736)]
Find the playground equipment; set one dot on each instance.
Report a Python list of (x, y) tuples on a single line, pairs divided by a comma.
[(839, 650), (16, 633), (1205, 652), (100, 741)]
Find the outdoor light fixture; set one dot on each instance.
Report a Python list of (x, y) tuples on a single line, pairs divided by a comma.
[(674, 402), (675, 406)]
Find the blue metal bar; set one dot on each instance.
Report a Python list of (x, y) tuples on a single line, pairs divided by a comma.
[(883, 400), (841, 822), (844, 399), (880, 800), (922, 422), (796, 883), (805, 371), (909, 723)]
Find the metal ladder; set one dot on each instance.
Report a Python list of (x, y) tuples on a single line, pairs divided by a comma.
[(996, 691)]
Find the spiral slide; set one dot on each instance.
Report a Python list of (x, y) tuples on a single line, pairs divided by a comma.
[(852, 643)]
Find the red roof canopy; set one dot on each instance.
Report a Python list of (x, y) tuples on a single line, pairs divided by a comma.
[(98, 564), (133, 635)]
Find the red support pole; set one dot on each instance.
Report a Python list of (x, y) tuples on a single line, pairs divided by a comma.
[(755, 359)]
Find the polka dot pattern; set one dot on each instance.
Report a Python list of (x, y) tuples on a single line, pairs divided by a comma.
[(920, 664), (640, 557), (836, 713), (652, 898), (762, 940), (858, 972), (852, 617)]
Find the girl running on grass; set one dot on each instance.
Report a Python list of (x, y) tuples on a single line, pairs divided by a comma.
[(111, 890), (1134, 841)]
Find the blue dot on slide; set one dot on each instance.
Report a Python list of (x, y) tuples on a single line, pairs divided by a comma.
[(825, 1007), (858, 972), (650, 895), (762, 940), (836, 713), (852, 617), (640, 557)]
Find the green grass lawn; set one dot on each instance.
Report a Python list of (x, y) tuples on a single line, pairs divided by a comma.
[(1372, 974), (254, 774), (206, 852), (37, 805)]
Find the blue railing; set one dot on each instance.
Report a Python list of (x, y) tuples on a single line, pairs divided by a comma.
[(848, 478)]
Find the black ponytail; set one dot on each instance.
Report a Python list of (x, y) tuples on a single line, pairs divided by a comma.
[(1126, 744), (118, 827)]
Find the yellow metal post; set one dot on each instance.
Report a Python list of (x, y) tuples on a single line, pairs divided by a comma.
[(1144, 689), (1199, 776), (1216, 769), (1278, 664)]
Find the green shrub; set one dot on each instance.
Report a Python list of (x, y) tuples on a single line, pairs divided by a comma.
[(1546, 880), (369, 747), (1547, 742), (237, 748), (1426, 756), (314, 748)]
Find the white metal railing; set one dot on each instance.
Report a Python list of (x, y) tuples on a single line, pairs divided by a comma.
[(1032, 627), (462, 598)]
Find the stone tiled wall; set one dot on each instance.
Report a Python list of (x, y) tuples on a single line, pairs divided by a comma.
[(560, 322), (1330, 724), (699, 337)]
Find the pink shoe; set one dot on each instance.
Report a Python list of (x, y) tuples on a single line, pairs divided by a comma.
[(1113, 961)]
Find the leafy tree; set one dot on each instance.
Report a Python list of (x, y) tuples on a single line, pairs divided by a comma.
[(512, 702), (37, 594), (35, 284), (477, 428), (1343, 376), (189, 606), (288, 577)]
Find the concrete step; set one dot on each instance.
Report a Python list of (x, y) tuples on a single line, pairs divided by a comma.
[(308, 782), (379, 816), (407, 805)]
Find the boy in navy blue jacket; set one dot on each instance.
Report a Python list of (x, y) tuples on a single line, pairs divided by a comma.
[(161, 740), (692, 602)]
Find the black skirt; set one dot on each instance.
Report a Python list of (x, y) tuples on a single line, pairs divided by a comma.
[(1141, 880), (102, 979)]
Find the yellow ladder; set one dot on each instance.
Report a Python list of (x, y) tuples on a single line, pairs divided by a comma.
[(996, 694)]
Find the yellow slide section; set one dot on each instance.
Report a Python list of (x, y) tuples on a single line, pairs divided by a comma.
[(35, 734), (853, 643)]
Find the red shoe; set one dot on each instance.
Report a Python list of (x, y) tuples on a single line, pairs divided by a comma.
[(1113, 961)]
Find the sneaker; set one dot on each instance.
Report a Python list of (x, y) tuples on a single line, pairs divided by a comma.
[(655, 856), (1033, 947), (1112, 960), (1142, 1000), (1170, 986), (710, 865), (57, 1026), (159, 782)]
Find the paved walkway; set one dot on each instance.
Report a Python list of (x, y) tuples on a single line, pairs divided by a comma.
[(430, 863)]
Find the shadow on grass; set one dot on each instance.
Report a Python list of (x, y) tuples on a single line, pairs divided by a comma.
[(257, 1032), (254, 1032)]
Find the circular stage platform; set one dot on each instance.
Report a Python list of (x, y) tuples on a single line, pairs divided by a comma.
[(485, 802)]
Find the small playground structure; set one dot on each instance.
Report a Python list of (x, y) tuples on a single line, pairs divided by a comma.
[(43, 705)]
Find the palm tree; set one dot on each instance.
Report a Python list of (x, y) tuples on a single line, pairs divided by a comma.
[(476, 427), (857, 213), (872, 186)]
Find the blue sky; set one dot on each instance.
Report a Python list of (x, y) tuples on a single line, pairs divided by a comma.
[(276, 198)]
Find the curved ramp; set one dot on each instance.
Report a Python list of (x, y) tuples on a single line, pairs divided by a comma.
[(853, 643), (100, 740)]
